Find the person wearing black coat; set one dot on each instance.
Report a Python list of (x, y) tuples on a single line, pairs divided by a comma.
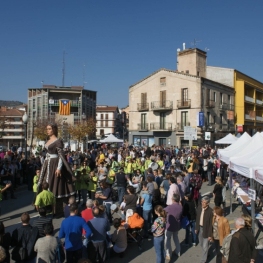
[(243, 244), (190, 211), (26, 237), (218, 190), (5, 242)]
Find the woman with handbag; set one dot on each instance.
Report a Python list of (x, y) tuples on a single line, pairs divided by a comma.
[(221, 229), (189, 211)]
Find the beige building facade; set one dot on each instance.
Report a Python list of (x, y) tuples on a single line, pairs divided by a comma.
[(162, 104), (108, 120)]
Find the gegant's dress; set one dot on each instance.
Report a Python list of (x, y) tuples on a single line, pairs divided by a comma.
[(61, 186)]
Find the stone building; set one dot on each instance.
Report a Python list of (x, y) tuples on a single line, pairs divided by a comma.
[(167, 100)]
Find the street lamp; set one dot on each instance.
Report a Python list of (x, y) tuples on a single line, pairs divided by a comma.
[(24, 119)]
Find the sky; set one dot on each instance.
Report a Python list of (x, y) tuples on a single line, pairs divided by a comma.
[(111, 44)]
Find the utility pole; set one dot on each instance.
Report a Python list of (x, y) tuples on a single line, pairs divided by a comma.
[(63, 69)]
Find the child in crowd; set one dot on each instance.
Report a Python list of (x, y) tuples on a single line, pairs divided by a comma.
[(158, 230), (35, 182), (92, 187), (71, 200)]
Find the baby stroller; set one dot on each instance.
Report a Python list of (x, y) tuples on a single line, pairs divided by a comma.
[(134, 227)]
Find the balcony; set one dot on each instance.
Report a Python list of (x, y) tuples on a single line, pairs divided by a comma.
[(143, 126), (180, 125), (9, 137), (183, 104), (249, 99), (210, 127), (259, 102), (157, 126), (142, 106), (73, 103), (226, 127), (259, 118), (210, 104), (226, 106), (248, 117), (165, 105)]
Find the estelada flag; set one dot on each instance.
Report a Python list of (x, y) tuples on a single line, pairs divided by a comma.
[(64, 107)]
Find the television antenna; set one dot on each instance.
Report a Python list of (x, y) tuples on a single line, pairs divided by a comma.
[(195, 42), (63, 68), (84, 75)]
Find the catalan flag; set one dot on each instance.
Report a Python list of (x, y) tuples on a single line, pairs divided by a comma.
[(64, 107)]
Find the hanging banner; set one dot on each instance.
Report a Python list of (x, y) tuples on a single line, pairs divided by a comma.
[(200, 119), (64, 107)]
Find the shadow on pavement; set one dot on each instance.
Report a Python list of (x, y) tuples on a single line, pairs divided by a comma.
[(133, 251)]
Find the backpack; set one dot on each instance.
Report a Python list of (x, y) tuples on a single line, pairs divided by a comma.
[(226, 245)]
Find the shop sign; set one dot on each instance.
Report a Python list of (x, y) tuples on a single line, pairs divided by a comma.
[(207, 136), (252, 194), (239, 128)]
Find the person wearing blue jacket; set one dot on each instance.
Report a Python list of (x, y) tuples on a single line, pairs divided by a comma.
[(71, 229)]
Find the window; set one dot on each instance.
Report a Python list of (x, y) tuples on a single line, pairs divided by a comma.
[(107, 116), (208, 118), (101, 123), (101, 131), (215, 119), (163, 98), (214, 97), (221, 118), (106, 124), (187, 71), (184, 118), (144, 100), (198, 73), (163, 81), (221, 98), (101, 116), (207, 95), (184, 94), (143, 121), (162, 120), (229, 99)]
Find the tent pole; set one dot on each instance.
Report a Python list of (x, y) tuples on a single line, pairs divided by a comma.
[(230, 188), (252, 186)]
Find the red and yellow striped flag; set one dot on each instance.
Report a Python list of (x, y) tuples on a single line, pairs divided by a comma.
[(64, 107)]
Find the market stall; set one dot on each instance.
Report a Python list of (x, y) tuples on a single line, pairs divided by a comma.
[(228, 139), (225, 154), (242, 162)]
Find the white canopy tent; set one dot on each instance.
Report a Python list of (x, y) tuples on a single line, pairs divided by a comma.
[(244, 163), (257, 173), (111, 139), (250, 149), (228, 139), (238, 145)]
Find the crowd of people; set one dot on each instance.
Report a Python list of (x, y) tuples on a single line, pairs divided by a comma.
[(153, 190)]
